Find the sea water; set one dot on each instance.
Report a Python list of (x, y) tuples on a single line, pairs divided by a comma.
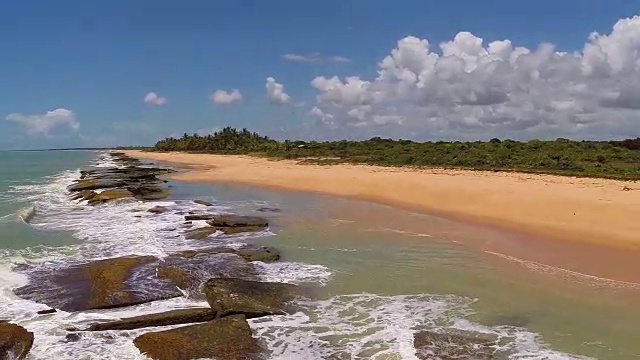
[(378, 282)]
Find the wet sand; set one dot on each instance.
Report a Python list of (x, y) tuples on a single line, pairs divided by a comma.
[(579, 224)]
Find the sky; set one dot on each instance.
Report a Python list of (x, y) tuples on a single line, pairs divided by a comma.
[(122, 72)]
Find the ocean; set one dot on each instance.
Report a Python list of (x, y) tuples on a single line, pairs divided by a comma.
[(380, 274)]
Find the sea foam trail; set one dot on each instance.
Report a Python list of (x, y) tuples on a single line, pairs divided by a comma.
[(361, 326)]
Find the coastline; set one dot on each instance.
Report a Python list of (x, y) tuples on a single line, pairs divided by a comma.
[(582, 210)]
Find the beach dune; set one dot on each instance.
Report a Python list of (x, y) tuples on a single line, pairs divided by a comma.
[(597, 211)]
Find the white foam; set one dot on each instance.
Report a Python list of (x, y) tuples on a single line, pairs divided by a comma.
[(368, 326), (293, 273)]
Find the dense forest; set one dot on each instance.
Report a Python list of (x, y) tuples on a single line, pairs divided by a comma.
[(613, 159)]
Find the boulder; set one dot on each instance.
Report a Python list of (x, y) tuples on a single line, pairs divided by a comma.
[(158, 210), (101, 284), (435, 345), (47, 311), (228, 338), (238, 221), (238, 296), (173, 317), (15, 341), (109, 195), (202, 202)]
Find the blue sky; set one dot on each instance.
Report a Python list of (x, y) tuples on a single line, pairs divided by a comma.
[(96, 61)]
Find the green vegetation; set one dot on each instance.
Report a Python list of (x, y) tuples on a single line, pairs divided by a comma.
[(612, 159)]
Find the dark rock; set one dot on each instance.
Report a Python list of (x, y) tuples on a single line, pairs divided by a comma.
[(101, 284), (149, 192), (173, 317), (228, 338), (268, 209), (202, 202), (15, 341), (48, 311), (240, 229), (109, 195), (199, 217), (434, 345), (188, 223), (249, 253), (238, 221), (228, 295), (158, 210), (73, 337)]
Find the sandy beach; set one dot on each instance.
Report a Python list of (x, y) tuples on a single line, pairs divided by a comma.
[(596, 211)]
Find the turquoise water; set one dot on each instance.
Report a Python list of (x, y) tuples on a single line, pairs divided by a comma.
[(380, 273)]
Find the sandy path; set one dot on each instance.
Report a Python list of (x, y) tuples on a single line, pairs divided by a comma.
[(578, 209)]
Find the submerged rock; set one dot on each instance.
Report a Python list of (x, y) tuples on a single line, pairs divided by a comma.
[(268, 209), (95, 184), (15, 341), (234, 296), (47, 311), (149, 192), (101, 284), (200, 233), (158, 210), (228, 338), (238, 221), (202, 202), (434, 345), (173, 317)]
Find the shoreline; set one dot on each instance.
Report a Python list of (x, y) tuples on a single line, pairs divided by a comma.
[(581, 210)]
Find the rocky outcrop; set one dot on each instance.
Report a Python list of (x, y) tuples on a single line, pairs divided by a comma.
[(228, 338), (268, 209), (158, 210), (202, 202), (15, 341), (101, 284), (238, 221), (173, 317), (435, 345), (193, 217), (237, 296), (109, 195), (200, 233)]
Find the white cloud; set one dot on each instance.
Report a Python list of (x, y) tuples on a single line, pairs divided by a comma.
[(224, 97), (275, 92), (315, 57), (471, 90), (154, 99), (44, 124)]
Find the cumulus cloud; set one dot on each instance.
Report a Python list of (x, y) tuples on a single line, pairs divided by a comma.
[(45, 124), (315, 57), (226, 97), (275, 92), (154, 99), (469, 89)]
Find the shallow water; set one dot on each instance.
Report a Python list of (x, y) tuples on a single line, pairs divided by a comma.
[(381, 273)]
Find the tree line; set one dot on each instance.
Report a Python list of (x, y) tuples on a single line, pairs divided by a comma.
[(614, 159)]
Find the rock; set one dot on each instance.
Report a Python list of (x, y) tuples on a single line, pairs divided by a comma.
[(238, 221), (240, 229), (249, 253), (15, 341), (189, 271), (173, 317), (73, 337), (434, 345), (228, 338), (158, 210), (109, 195), (202, 202), (95, 184), (268, 209), (150, 192), (199, 217), (101, 284), (48, 311), (200, 233), (233, 296)]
